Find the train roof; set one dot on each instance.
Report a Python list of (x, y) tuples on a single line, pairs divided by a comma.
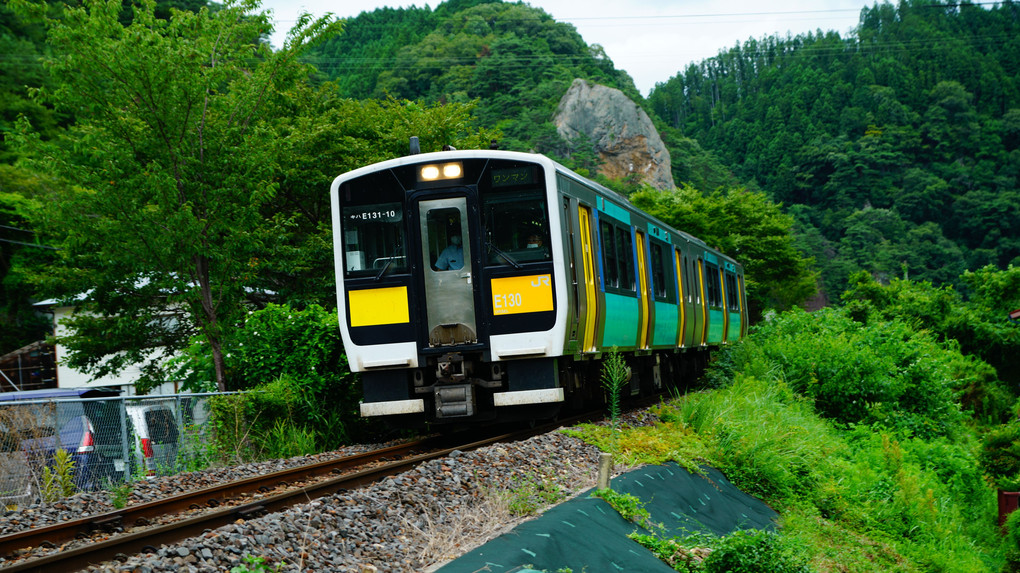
[(520, 156)]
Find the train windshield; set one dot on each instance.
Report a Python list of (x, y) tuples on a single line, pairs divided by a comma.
[(373, 227), (515, 217)]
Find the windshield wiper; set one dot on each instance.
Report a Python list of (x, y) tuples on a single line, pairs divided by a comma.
[(389, 261), (505, 256), (382, 271)]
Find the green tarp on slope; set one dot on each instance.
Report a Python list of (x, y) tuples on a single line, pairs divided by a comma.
[(586, 534)]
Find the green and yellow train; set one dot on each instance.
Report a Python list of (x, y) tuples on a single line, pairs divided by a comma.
[(485, 285)]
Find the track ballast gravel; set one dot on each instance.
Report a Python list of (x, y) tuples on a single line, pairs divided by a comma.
[(407, 522)]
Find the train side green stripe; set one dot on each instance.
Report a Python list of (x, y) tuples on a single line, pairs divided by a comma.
[(715, 326), (621, 321), (734, 332), (665, 324), (614, 210)]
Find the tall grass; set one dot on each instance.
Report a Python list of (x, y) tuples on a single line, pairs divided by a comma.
[(853, 433), (896, 504)]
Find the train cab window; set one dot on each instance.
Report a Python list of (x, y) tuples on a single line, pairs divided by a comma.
[(372, 226), (516, 226)]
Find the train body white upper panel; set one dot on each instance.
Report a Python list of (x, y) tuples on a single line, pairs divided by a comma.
[(547, 342)]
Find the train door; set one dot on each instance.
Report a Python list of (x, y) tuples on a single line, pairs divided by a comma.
[(588, 259), (703, 333), (447, 271), (726, 299), (681, 286), (644, 305)]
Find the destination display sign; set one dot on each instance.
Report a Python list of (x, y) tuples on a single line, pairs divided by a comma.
[(516, 295), (514, 176)]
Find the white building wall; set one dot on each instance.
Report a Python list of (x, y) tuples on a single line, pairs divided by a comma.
[(68, 377)]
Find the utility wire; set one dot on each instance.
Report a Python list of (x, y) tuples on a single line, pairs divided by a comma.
[(28, 244)]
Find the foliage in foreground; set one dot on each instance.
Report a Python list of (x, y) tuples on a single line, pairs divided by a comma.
[(873, 486), (883, 373), (301, 397), (741, 552)]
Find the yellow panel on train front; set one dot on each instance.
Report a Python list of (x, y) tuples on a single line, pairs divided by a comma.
[(514, 295), (371, 307)]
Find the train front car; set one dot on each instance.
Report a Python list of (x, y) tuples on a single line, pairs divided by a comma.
[(447, 286)]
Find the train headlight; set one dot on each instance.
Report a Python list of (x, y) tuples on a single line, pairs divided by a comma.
[(442, 171), (452, 170)]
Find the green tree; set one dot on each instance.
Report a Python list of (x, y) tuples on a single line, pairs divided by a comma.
[(320, 134), (747, 226), (163, 173), (977, 324), (19, 324)]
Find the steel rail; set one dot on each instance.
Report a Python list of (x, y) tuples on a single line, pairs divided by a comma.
[(212, 496), (148, 539)]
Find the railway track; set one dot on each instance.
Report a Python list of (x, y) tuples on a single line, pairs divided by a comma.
[(133, 530)]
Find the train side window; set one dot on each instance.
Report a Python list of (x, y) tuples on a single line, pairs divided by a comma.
[(661, 275), (714, 291), (625, 254), (611, 268), (731, 292)]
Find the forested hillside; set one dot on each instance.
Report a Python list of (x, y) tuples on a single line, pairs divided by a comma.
[(514, 59), (897, 149)]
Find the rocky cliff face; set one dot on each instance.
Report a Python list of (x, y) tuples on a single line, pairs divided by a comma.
[(620, 131)]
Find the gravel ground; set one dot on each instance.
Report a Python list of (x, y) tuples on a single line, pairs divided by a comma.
[(409, 522), (94, 503)]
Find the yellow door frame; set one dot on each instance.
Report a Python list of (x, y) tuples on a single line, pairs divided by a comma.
[(642, 285), (588, 260)]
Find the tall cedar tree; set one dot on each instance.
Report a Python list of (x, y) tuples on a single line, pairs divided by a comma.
[(164, 172)]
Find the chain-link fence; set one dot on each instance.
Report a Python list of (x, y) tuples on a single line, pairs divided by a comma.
[(110, 441)]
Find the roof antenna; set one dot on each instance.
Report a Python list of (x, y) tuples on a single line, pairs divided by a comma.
[(415, 146), (493, 144)]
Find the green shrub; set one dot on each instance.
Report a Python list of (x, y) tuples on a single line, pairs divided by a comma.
[(973, 323), (58, 480), (293, 365), (263, 423), (877, 373), (921, 501), (1012, 530), (615, 375), (1000, 456), (754, 552), (628, 506)]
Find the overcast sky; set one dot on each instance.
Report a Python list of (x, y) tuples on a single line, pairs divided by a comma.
[(651, 40)]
